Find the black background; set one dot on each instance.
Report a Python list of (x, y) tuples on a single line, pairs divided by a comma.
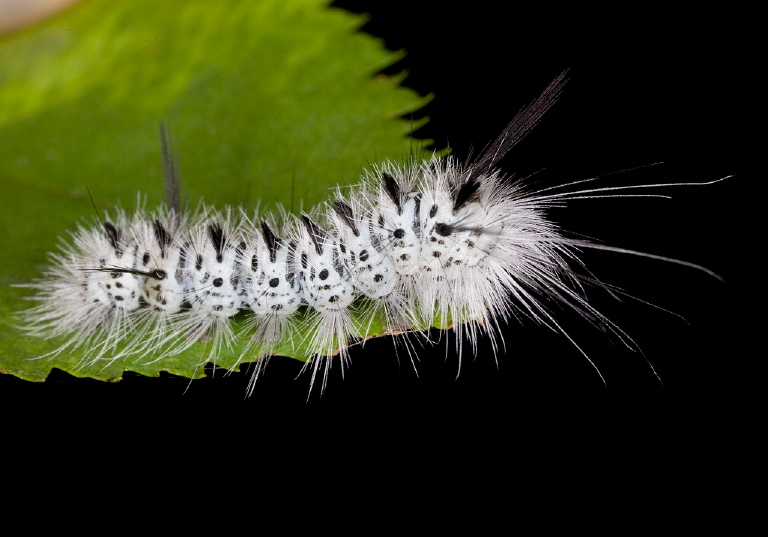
[(646, 86)]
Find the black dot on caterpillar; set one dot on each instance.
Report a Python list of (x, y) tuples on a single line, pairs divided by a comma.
[(434, 243)]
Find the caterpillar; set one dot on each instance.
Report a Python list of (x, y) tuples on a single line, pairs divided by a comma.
[(426, 243)]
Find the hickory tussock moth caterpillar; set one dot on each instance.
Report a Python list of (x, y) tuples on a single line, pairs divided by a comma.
[(437, 243)]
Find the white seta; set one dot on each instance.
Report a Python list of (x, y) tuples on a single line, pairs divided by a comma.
[(438, 243)]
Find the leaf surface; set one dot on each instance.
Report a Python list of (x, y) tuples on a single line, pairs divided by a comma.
[(268, 102)]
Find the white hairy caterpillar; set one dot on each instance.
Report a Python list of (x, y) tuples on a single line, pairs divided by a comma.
[(437, 243)]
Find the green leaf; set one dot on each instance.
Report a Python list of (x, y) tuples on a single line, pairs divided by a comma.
[(268, 102)]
